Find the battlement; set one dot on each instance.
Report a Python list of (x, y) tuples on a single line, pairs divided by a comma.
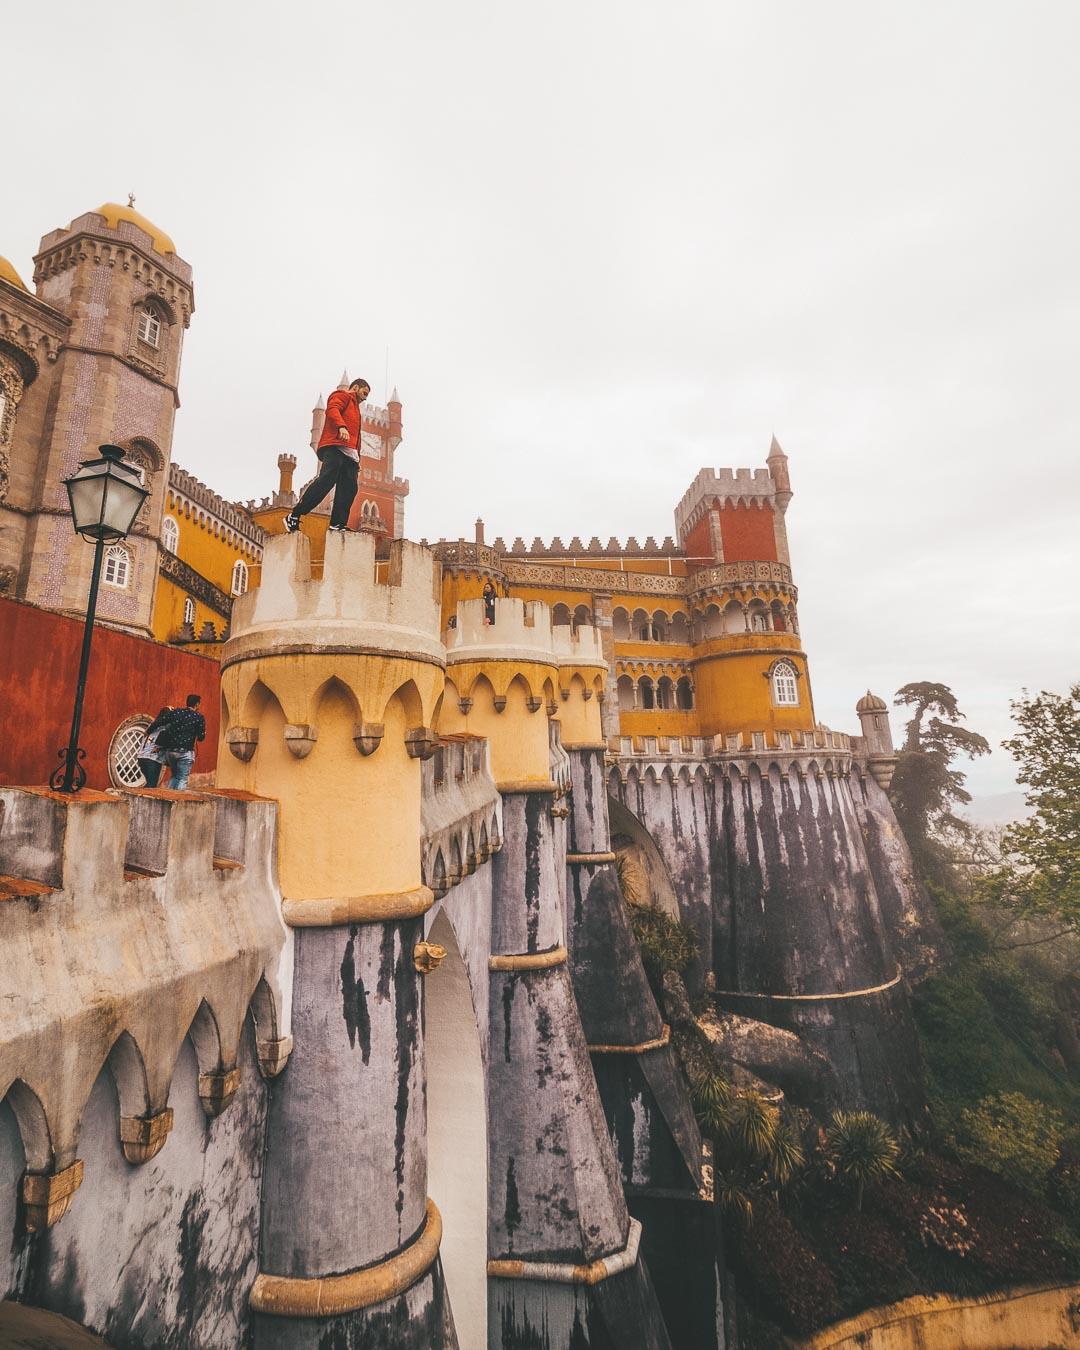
[(186, 485), (593, 549), (739, 744), (754, 486), (126, 914), (349, 608), (523, 630)]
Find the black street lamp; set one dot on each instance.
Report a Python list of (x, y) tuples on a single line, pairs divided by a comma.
[(106, 495)]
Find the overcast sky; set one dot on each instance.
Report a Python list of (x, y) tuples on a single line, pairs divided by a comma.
[(608, 243)]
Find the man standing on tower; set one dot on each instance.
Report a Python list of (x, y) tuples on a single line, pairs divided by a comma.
[(339, 455)]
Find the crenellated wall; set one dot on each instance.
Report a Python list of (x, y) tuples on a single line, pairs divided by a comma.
[(148, 985)]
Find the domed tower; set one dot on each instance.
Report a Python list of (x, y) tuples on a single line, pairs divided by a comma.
[(111, 283)]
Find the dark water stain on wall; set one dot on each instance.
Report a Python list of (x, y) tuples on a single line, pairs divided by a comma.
[(354, 1000)]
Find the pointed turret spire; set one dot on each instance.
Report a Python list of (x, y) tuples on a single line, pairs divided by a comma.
[(778, 467), (393, 396), (343, 383)]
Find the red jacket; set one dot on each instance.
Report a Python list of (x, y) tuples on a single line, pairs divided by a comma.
[(342, 410)]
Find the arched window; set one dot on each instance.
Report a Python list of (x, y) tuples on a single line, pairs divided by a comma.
[(149, 328), (239, 577), (785, 685), (189, 610), (684, 694), (170, 534), (647, 693), (758, 621), (117, 567), (124, 749)]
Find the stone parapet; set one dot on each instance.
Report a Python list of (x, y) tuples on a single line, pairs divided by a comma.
[(347, 611), (132, 920), (734, 485)]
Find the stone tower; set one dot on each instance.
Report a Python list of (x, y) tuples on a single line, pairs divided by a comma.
[(122, 298)]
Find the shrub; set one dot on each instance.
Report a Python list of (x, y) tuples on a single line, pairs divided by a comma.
[(1013, 1136), (861, 1148), (793, 1283), (665, 943)]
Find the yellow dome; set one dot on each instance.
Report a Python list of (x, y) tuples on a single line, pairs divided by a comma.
[(114, 214), (8, 274)]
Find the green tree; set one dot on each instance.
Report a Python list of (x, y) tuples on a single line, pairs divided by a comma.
[(926, 789), (1039, 875), (1012, 1135), (860, 1147)]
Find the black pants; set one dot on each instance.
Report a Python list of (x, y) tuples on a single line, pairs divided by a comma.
[(338, 473)]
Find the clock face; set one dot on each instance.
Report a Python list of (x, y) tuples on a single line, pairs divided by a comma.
[(371, 446)]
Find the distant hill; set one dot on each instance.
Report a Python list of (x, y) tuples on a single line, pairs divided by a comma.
[(997, 808)]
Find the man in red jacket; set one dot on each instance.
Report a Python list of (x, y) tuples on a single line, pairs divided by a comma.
[(339, 455)]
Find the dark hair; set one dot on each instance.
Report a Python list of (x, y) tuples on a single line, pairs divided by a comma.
[(193, 700), (354, 383)]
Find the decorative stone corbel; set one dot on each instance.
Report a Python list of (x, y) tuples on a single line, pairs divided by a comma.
[(472, 862), (560, 812), (533, 703), (273, 1055), (216, 1090), (367, 736), (586, 694), (47, 1195), (143, 1137), (882, 768), (428, 956), (564, 694), (420, 743), (300, 739), (242, 742), (464, 706), (552, 708), (499, 701)]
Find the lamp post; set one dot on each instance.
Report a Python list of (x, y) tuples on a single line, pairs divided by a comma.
[(105, 495)]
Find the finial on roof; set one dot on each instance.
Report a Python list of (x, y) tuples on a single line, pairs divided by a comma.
[(394, 396), (344, 381), (774, 448), (131, 199), (320, 404)]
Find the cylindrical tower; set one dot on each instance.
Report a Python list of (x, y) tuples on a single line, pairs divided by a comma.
[(328, 691), (564, 1250)]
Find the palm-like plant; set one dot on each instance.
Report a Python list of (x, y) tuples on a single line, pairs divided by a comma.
[(786, 1155), (861, 1148)]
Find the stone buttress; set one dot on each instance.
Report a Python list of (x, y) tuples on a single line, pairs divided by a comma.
[(565, 1265), (329, 689)]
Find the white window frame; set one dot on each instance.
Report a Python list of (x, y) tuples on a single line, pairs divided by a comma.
[(149, 330), (785, 685), (239, 577), (117, 571), (189, 610), (128, 737), (170, 534)]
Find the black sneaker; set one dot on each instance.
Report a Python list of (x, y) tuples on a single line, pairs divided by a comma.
[(338, 529), (292, 524)]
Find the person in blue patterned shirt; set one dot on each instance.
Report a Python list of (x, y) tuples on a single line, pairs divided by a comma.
[(183, 728)]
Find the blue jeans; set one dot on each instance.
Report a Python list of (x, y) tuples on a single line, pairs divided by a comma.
[(179, 762)]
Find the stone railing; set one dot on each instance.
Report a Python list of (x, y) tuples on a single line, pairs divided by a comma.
[(731, 573), (737, 743), (462, 553)]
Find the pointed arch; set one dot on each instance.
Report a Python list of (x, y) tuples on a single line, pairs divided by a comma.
[(204, 1033), (128, 1068), (33, 1125)]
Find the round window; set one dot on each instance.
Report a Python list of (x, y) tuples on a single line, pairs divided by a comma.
[(124, 768)]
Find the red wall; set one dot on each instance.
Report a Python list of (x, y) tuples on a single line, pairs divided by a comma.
[(748, 534), (698, 543), (39, 664)]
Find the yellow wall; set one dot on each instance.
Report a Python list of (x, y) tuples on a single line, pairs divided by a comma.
[(206, 546), (517, 737), (1033, 1318), (733, 693)]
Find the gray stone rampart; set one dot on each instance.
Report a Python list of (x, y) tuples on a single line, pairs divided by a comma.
[(137, 935)]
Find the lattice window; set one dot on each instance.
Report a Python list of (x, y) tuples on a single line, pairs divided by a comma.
[(149, 329), (785, 685), (170, 534), (124, 768), (239, 577), (117, 567)]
